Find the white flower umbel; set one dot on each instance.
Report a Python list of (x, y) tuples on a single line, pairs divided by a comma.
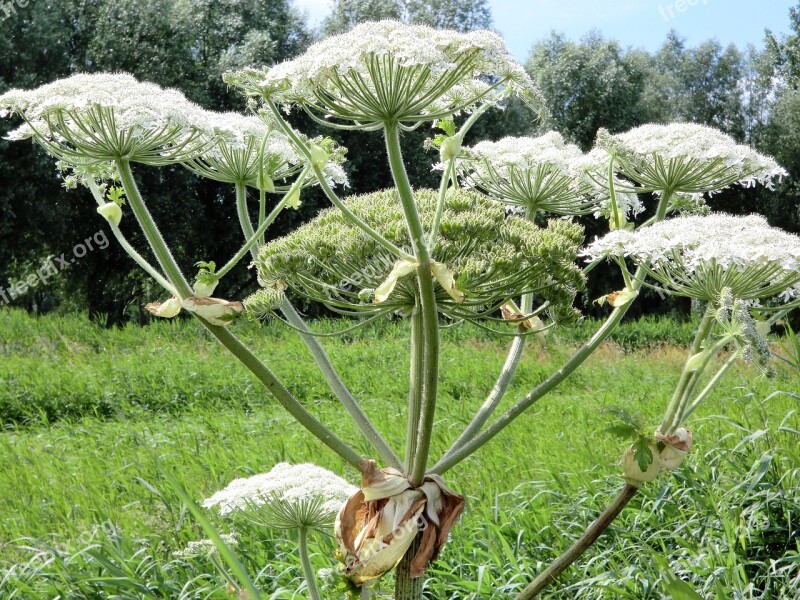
[(699, 256), (288, 496), (536, 173), (388, 71), (205, 547), (248, 150), (686, 157), (107, 117)]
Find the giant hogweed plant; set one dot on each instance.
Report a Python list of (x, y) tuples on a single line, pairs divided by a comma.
[(494, 245)]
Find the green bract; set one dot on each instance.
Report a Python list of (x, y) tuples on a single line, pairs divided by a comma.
[(388, 71), (493, 258)]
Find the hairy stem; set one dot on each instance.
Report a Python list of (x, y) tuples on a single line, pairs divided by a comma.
[(339, 388), (589, 537), (427, 304), (416, 369), (405, 586), (151, 232), (308, 570)]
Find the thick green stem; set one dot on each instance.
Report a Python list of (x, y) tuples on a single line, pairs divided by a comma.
[(225, 337), (244, 217), (589, 537), (709, 387), (427, 304), (339, 388), (455, 456), (352, 217), (405, 586), (308, 570), (495, 396), (417, 367), (130, 250), (160, 249), (687, 375)]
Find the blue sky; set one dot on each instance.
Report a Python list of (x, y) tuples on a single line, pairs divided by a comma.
[(639, 23)]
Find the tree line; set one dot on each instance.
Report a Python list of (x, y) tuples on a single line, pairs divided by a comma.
[(752, 94)]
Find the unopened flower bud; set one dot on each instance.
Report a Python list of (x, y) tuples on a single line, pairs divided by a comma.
[(165, 310), (632, 471), (214, 310), (293, 198), (676, 446), (111, 211), (266, 184), (203, 289), (451, 148), (319, 156)]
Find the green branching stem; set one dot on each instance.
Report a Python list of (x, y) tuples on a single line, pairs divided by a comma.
[(282, 395), (588, 538), (253, 239), (449, 175), (308, 570), (455, 455), (225, 337), (339, 388), (335, 200), (427, 304), (151, 232), (416, 370), (688, 410), (244, 217), (689, 374), (130, 250)]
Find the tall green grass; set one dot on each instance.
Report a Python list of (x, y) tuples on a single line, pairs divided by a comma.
[(98, 419)]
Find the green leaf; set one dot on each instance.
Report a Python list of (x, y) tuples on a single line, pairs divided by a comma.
[(642, 454), (447, 125)]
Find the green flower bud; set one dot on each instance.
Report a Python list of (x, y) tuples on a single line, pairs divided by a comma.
[(319, 156), (451, 148), (111, 211)]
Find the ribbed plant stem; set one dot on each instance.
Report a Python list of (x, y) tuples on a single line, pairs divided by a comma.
[(427, 304), (416, 369), (160, 249), (405, 586), (308, 570), (589, 537)]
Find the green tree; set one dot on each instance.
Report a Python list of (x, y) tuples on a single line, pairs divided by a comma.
[(700, 85), (462, 15), (589, 85)]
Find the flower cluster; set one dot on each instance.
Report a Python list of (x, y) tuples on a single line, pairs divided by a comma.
[(486, 257), (290, 490), (699, 256), (205, 547), (685, 157), (387, 70), (102, 117), (536, 173), (251, 151)]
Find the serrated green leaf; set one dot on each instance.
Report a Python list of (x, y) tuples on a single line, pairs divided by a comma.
[(623, 431), (642, 454)]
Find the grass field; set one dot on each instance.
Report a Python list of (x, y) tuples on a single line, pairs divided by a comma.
[(96, 421)]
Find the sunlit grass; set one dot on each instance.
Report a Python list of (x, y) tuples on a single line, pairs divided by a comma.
[(170, 402)]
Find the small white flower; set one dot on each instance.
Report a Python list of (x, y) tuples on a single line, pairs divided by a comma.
[(685, 157), (290, 483), (538, 173), (205, 547), (388, 70), (699, 256)]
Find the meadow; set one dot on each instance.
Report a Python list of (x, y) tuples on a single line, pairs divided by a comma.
[(97, 421)]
